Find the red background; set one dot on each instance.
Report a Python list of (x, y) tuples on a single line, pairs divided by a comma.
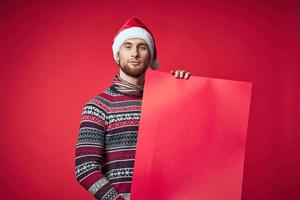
[(56, 55)]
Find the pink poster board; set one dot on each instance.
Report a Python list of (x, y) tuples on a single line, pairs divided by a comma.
[(192, 138)]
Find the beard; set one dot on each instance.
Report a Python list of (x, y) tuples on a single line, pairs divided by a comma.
[(133, 71)]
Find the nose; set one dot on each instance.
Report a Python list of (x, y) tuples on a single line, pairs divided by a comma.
[(134, 52)]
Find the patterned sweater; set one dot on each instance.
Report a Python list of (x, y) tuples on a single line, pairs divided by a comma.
[(106, 144)]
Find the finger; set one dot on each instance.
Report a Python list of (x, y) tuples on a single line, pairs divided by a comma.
[(172, 72), (177, 73), (187, 75), (182, 72)]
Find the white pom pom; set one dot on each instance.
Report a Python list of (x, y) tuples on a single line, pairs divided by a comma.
[(155, 64)]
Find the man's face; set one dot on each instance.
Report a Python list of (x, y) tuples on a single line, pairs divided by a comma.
[(134, 57)]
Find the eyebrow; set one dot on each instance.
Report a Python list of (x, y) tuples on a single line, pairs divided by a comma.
[(140, 43)]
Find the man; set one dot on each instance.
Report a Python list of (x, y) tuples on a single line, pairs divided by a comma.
[(106, 145)]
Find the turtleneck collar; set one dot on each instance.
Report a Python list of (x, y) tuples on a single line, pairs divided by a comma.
[(127, 88)]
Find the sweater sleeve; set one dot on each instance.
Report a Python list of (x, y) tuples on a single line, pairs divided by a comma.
[(89, 153)]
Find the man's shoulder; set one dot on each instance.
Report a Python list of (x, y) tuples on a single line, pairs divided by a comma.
[(103, 99), (107, 95)]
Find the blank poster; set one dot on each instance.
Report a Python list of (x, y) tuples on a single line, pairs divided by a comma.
[(192, 137)]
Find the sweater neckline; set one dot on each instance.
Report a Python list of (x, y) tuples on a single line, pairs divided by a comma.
[(127, 88)]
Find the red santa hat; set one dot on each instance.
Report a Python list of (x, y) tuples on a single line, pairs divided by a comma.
[(134, 28)]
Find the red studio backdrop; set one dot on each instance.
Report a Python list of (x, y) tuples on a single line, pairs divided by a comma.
[(56, 55)]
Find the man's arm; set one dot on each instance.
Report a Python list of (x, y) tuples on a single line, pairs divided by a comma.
[(89, 152)]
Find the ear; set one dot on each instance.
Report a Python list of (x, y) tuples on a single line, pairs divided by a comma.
[(118, 59)]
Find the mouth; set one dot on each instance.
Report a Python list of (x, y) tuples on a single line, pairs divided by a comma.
[(134, 62)]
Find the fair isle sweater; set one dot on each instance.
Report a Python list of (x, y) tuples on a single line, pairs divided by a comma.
[(106, 144)]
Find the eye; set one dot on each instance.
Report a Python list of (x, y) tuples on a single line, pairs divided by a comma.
[(143, 48), (127, 46)]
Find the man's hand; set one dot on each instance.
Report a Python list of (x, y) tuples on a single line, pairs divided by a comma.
[(181, 74)]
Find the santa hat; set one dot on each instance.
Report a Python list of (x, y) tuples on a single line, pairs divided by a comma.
[(134, 28)]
